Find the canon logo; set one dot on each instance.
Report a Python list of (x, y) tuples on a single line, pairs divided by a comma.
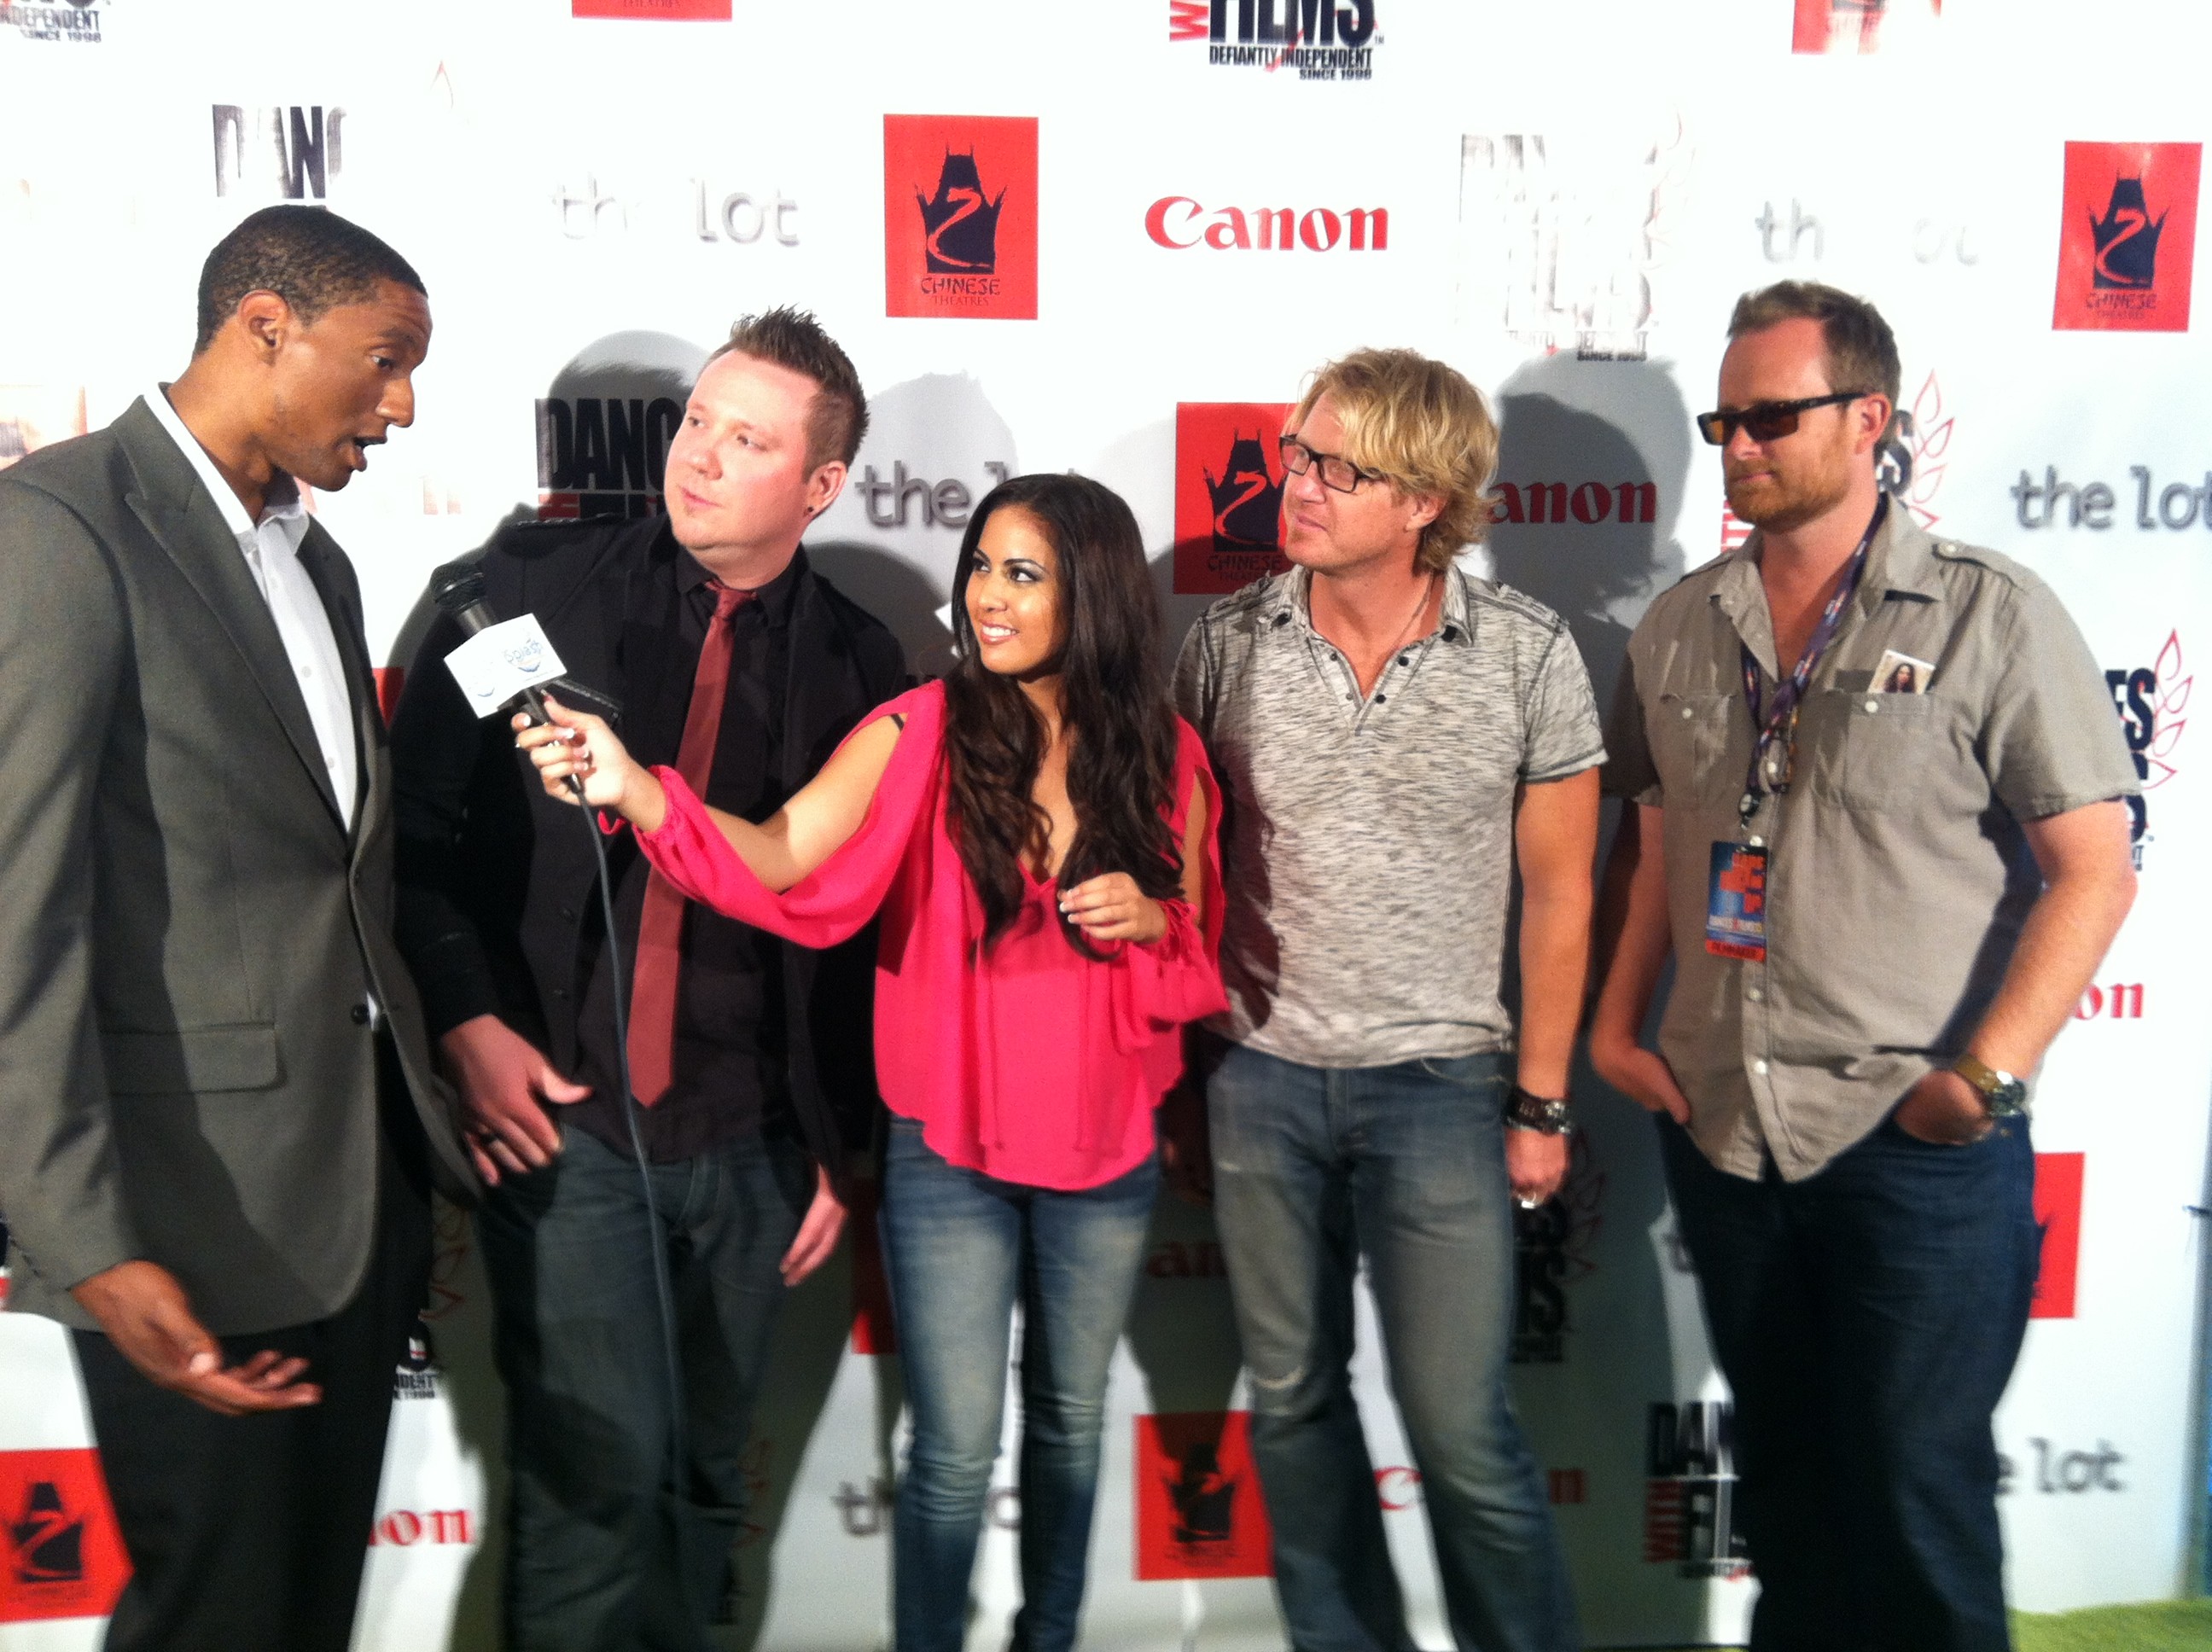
[(1174, 221)]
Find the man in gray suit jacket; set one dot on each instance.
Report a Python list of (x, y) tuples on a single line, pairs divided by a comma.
[(218, 1121)]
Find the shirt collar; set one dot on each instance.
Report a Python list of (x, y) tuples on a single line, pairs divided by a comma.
[(776, 597), (281, 502), (1291, 600)]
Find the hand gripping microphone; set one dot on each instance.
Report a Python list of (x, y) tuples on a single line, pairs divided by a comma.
[(500, 662)]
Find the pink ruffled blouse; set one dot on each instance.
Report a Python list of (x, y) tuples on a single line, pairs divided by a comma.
[(1027, 1061)]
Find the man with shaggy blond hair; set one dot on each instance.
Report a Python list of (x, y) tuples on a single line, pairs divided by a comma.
[(1394, 735)]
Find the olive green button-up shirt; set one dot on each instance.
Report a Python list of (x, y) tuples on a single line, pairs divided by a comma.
[(1898, 876)]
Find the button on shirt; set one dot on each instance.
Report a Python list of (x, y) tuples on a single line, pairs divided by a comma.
[(271, 550), (1898, 875), (728, 1077), (1368, 842)]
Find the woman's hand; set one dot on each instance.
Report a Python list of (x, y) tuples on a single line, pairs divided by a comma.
[(1112, 908), (576, 743)]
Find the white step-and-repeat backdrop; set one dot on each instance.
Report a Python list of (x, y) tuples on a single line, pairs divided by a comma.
[(1112, 238)]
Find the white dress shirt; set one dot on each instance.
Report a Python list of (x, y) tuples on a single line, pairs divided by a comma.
[(271, 550)]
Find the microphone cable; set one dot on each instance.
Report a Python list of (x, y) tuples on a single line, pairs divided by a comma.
[(458, 589)]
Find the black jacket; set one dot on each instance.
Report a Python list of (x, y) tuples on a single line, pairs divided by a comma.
[(498, 912)]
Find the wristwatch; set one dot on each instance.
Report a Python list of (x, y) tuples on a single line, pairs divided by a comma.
[(1526, 1112), (2002, 1094)]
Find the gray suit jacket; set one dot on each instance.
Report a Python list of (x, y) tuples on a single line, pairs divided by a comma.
[(189, 935)]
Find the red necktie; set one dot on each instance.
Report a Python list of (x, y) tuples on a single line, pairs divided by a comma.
[(660, 929)]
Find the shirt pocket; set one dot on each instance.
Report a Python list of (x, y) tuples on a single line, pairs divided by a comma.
[(1689, 736), (1872, 752)]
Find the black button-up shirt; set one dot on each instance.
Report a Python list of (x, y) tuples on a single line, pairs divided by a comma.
[(728, 1071)]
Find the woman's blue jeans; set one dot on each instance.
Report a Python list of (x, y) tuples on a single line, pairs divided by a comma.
[(961, 1247)]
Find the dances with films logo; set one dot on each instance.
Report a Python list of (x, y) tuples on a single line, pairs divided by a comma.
[(2127, 239), (1229, 494), (960, 195), (2150, 700), (1319, 38)]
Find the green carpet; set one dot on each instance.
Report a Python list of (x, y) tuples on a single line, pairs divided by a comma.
[(2162, 1627)]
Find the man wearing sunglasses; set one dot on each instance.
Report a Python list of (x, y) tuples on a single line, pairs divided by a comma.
[(1872, 786), (1394, 736)]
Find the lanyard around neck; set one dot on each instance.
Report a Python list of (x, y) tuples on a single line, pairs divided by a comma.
[(1776, 725)]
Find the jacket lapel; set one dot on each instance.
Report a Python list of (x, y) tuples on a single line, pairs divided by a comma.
[(325, 566), (187, 526)]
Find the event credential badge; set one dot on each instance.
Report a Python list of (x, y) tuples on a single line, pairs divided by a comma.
[(1736, 903)]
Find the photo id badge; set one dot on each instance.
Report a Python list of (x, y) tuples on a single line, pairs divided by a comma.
[(1736, 903)]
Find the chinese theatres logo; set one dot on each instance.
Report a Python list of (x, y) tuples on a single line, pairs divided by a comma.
[(1199, 1512), (2127, 237), (1247, 502), (1229, 494), (2126, 241), (64, 1557), (961, 223), (960, 195), (47, 1541), (2058, 1233)]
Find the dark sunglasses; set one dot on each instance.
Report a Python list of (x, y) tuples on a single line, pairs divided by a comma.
[(1767, 420)]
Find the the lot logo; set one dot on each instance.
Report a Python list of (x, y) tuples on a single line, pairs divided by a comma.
[(1229, 494), (64, 1557), (1562, 234), (2150, 700), (960, 216), (1689, 1492), (603, 456), (1199, 1512), (655, 11), (77, 21), (2127, 239), (1320, 39), (2059, 1229), (288, 152), (1552, 1250)]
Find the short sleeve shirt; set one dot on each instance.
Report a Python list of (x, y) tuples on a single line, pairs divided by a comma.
[(1367, 845), (1898, 875)]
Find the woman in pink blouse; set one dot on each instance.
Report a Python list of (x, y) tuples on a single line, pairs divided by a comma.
[(1038, 834)]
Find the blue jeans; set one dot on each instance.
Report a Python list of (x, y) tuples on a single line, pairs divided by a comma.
[(601, 1558), (1312, 1168), (1867, 1319), (959, 1247)]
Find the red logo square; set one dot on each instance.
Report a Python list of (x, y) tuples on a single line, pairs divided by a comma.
[(2127, 237), (2058, 1220), (655, 11), (1198, 1509), (960, 216), (1229, 494), (64, 1557)]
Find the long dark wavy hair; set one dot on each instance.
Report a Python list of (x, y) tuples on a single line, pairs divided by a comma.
[(1115, 712)]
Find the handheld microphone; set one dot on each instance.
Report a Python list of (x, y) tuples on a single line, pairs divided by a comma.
[(458, 588)]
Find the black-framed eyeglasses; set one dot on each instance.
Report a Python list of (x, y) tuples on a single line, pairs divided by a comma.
[(1337, 472), (1767, 420)]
